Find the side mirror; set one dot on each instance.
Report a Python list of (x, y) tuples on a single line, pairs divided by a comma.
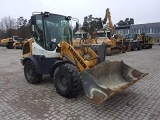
[(33, 20), (68, 18), (46, 14)]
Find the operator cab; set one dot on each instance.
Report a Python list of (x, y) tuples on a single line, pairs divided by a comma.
[(131, 37), (81, 34), (103, 34), (49, 30)]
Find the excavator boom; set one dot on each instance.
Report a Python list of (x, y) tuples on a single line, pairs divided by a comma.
[(108, 17)]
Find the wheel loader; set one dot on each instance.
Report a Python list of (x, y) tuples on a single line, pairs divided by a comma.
[(18, 44), (73, 68), (146, 41), (9, 42), (135, 41), (5, 41)]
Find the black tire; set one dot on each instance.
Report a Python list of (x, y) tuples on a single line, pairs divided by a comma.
[(133, 47), (150, 45), (143, 46), (10, 45), (123, 49), (67, 80), (139, 46), (30, 73), (147, 47)]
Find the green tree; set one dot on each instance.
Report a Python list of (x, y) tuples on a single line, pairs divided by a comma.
[(23, 27), (127, 21), (90, 24)]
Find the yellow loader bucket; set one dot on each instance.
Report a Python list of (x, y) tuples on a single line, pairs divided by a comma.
[(107, 79)]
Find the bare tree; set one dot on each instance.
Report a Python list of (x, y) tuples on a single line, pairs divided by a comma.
[(8, 23), (8, 26), (15, 27)]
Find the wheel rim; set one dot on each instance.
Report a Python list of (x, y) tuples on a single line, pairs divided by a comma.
[(29, 72), (63, 82)]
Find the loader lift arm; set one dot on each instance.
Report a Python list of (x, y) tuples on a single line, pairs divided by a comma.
[(70, 53)]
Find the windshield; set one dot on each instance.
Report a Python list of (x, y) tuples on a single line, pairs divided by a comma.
[(15, 37), (57, 28), (84, 36), (78, 36), (51, 29), (146, 38), (101, 34), (132, 36)]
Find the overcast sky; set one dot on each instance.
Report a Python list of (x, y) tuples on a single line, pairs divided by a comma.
[(143, 11)]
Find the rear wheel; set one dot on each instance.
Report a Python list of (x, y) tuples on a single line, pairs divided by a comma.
[(30, 73), (10, 45), (123, 49), (139, 46), (67, 80), (133, 47)]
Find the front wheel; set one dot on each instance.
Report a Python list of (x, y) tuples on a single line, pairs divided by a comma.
[(67, 80), (30, 73), (133, 47), (150, 45)]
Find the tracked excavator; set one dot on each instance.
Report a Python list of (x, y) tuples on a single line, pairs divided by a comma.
[(50, 51), (105, 35), (135, 41), (114, 47), (146, 41)]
